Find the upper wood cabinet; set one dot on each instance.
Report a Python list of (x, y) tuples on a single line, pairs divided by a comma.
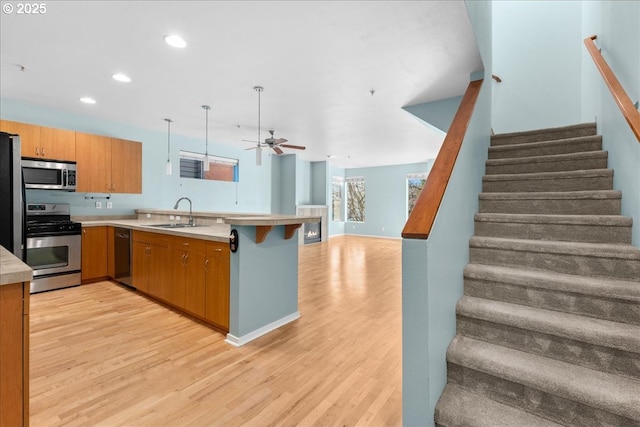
[(43, 142), (108, 165)]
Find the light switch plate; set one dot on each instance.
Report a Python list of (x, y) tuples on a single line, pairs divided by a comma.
[(109, 205), (98, 205)]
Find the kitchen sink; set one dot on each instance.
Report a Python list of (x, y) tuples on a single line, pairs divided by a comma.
[(172, 225)]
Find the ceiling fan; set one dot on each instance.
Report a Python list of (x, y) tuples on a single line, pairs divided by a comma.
[(275, 144), (270, 142)]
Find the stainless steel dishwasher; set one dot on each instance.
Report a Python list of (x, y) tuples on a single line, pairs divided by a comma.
[(122, 255)]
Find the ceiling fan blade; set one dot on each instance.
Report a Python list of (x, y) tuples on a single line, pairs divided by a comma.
[(280, 141), (295, 147), (248, 140), (277, 150)]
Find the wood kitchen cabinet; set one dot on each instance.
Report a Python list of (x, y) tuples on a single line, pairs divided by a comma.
[(108, 165), (43, 142), (94, 254), (149, 264), (217, 284), (14, 354), (187, 274)]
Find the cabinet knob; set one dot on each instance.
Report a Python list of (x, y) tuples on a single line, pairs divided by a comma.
[(206, 265), (42, 151), (37, 151)]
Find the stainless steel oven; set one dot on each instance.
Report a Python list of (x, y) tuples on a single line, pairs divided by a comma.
[(54, 247)]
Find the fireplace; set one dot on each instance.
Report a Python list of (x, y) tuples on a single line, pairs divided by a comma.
[(312, 232)]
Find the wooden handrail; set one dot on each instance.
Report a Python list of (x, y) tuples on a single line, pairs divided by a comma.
[(629, 111), (424, 212)]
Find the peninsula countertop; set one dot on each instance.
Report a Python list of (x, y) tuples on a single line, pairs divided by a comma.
[(215, 232), (12, 269)]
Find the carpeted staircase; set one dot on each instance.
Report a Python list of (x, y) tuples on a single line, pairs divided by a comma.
[(548, 329)]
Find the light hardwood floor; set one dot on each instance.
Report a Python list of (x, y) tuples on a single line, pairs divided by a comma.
[(103, 355)]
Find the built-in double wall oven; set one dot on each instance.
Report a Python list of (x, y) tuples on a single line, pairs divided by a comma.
[(53, 246)]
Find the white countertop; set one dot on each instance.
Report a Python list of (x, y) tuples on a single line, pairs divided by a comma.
[(12, 269), (216, 233)]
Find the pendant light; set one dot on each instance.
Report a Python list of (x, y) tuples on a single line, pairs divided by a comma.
[(258, 148), (206, 137), (168, 167)]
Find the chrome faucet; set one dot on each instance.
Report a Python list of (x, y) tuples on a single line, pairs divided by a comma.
[(191, 221)]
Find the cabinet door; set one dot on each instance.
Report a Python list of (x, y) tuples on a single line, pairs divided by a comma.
[(94, 253), (126, 168), (194, 283), (58, 144), (140, 266), (217, 284), (159, 272), (93, 154), (29, 136)]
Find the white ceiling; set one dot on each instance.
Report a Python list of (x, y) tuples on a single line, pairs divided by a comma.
[(317, 60)]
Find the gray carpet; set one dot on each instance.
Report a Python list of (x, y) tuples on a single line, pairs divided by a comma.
[(548, 329)]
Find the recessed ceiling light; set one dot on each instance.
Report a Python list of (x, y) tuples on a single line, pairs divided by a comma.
[(87, 100), (175, 41), (121, 77)]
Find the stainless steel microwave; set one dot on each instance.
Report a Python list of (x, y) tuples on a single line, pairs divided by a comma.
[(49, 175)]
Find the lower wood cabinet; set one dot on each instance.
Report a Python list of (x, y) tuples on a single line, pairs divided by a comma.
[(189, 274), (94, 254), (216, 307), (149, 264), (14, 354)]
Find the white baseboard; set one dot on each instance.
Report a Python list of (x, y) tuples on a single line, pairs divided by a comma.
[(240, 341)]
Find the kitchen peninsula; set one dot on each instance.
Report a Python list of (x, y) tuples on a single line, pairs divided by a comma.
[(15, 278), (261, 275)]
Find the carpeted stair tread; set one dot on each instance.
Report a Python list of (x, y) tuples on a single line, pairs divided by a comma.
[(607, 220), (609, 393), (579, 328), (593, 179), (523, 137), (627, 252), (547, 147), (588, 259), (549, 163), (554, 195), (460, 407), (597, 202), (596, 286), (576, 228)]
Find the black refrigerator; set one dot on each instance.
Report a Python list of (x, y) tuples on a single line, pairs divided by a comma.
[(12, 196)]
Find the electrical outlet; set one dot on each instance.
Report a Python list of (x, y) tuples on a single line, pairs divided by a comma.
[(148, 215), (219, 220), (98, 205), (177, 217), (172, 217), (109, 205)]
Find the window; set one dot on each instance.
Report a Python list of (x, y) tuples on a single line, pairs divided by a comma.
[(337, 189), (415, 182), (355, 198), (220, 168)]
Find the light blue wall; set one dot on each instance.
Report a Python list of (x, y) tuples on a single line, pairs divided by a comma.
[(319, 183), (251, 194), (436, 114), (432, 280), (303, 183), (537, 55), (386, 199), (617, 25), (261, 294)]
